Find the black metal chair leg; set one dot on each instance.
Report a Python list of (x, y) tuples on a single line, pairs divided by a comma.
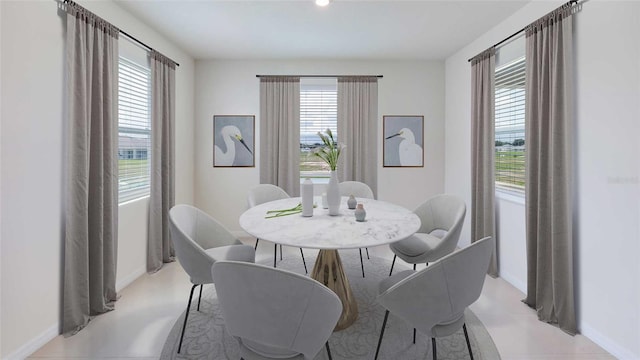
[(433, 347), (361, 263), (328, 350), (186, 316), (256, 247), (392, 263), (466, 335), (304, 262), (384, 324), (280, 252), (367, 249), (275, 254), (200, 296), (414, 267), (414, 335)]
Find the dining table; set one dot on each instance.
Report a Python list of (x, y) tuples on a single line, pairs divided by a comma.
[(384, 223)]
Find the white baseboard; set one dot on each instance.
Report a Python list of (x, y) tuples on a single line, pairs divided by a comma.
[(133, 276), (607, 343), (36, 343), (522, 286)]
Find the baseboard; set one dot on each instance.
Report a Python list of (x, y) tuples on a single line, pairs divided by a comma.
[(607, 343), (514, 281), (133, 276), (36, 343)]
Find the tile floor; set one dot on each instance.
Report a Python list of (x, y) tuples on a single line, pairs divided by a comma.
[(149, 307)]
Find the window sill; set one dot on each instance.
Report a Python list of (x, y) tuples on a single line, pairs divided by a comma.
[(516, 197), (124, 203)]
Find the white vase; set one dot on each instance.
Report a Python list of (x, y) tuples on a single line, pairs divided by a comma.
[(333, 194)]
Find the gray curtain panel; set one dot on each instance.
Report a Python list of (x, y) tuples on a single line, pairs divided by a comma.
[(280, 132), (483, 150), (162, 195), (91, 217), (358, 129), (548, 113)]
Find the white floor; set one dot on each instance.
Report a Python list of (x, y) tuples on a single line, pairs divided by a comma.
[(149, 307)]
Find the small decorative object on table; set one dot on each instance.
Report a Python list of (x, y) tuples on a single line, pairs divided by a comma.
[(307, 197), (330, 153), (351, 203), (360, 213)]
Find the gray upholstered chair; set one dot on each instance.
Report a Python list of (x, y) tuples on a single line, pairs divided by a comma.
[(200, 241), (442, 217), (358, 190), (275, 314), (264, 193), (433, 300)]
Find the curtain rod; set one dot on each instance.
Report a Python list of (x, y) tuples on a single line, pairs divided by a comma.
[(149, 48), (319, 76), (572, 2)]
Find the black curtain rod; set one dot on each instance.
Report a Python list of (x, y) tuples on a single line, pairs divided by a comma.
[(572, 2), (319, 76), (149, 48)]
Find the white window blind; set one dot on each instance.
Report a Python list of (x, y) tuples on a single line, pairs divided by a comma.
[(318, 112), (134, 130), (509, 125)]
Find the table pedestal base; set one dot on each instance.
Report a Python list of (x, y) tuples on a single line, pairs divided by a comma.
[(328, 271)]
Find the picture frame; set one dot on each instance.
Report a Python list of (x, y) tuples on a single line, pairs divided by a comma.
[(403, 141), (234, 140)]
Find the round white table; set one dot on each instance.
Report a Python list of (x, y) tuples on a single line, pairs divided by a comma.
[(385, 223)]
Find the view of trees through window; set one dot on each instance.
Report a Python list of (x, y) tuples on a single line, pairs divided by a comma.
[(509, 125), (318, 112)]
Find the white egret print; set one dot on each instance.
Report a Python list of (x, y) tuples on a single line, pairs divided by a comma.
[(233, 140), (403, 141)]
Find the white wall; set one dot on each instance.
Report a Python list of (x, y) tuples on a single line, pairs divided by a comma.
[(607, 35), (231, 87), (32, 72)]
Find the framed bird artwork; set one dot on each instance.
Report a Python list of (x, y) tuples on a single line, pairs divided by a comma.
[(233, 140), (403, 141)]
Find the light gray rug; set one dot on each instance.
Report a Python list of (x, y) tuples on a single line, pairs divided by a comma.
[(206, 338)]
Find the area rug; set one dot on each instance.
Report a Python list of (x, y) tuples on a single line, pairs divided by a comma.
[(206, 338)]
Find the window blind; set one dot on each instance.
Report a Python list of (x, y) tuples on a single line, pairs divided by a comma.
[(134, 130), (509, 125), (318, 112)]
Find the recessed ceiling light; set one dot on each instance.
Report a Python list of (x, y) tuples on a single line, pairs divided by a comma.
[(322, 2)]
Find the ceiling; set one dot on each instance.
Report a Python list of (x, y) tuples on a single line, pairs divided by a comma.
[(298, 29)]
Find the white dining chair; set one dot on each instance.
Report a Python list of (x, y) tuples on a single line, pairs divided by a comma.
[(442, 217), (261, 194), (275, 313), (358, 190), (433, 300), (199, 241)]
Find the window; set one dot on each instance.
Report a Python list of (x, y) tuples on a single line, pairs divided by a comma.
[(509, 114), (134, 130), (318, 112)]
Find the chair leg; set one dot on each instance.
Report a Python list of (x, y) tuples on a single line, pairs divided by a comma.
[(414, 267), (186, 316), (433, 347), (275, 254), (384, 324), (392, 263), (328, 350), (256, 247), (361, 263), (200, 296), (367, 249), (304, 262), (466, 335), (414, 335), (280, 252)]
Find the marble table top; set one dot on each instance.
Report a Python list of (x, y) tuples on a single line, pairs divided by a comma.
[(385, 223)]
